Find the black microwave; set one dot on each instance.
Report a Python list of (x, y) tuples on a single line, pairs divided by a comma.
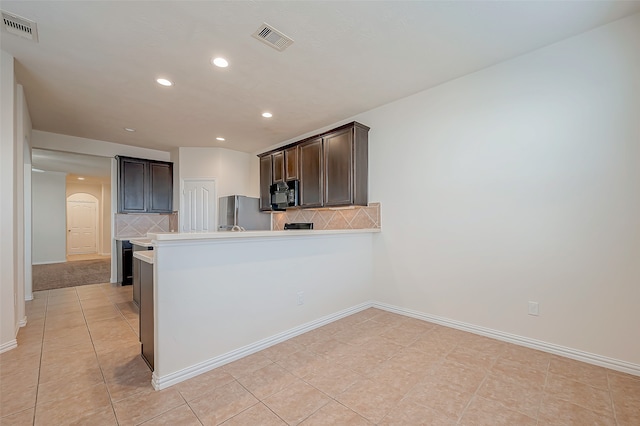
[(285, 194)]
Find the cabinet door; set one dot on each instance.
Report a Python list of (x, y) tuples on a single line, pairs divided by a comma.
[(291, 163), (132, 185), (136, 281), (160, 187), (338, 168), (311, 188), (265, 182), (146, 314), (278, 166)]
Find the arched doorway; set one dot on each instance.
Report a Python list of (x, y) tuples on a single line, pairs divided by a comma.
[(82, 224)]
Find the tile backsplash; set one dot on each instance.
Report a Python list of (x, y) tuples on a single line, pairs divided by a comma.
[(137, 225), (357, 217)]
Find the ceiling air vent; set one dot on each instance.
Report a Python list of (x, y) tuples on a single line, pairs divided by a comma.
[(272, 37), (19, 26)]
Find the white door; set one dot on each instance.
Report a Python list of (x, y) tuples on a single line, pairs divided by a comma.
[(81, 227), (198, 205)]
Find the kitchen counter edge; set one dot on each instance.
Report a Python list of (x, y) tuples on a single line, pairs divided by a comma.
[(142, 242), (147, 256), (186, 236)]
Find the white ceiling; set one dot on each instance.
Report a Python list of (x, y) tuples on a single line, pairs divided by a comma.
[(93, 71)]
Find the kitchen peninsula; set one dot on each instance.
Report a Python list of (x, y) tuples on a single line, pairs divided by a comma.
[(220, 296)]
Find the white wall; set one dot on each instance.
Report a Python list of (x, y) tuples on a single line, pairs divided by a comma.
[(27, 221), (231, 169), (8, 323), (102, 192), (49, 217), (22, 204), (519, 183), (233, 293), (105, 245), (234, 172), (175, 158)]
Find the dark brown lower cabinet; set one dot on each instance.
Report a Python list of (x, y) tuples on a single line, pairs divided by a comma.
[(146, 312), (125, 262), (136, 281)]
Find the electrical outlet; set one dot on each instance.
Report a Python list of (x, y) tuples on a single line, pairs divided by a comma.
[(534, 308), (301, 298)]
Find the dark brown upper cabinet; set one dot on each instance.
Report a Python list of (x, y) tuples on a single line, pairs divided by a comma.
[(131, 185), (144, 186), (311, 173), (291, 163), (278, 166), (266, 173), (345, 166), (332, 167), (160, 187)]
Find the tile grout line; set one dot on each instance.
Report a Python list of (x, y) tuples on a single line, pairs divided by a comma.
[(44, 325), (544, 387), (104, 380), (113, 407), (141, 423), (474, 396), (191, 408), (613, 405)]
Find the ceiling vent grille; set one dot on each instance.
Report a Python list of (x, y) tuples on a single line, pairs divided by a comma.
[(19, 26), (272, 37)]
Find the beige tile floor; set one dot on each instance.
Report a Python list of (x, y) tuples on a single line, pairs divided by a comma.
[(78, 363)]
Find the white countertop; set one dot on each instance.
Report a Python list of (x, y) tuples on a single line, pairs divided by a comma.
[(224, 235), (126, 238), (142, 242), (147, 256)]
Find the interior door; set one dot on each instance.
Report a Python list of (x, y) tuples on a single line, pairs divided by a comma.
[(81, 227), (198, 206)]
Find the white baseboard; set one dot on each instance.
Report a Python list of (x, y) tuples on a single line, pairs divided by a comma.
[(28, 297), (49, 262), (11, 344), (163, 382), (23, 322), (602, 361)]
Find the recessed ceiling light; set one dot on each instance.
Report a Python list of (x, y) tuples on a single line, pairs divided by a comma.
[(129, 129), (220, 62), (164, 82), (220, 139), (267, 115), (80, 178)]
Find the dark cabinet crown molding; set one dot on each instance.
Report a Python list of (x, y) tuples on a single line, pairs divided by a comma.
[(319, 135)]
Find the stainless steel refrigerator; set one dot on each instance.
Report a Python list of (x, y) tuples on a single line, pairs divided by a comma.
[(240, 213)]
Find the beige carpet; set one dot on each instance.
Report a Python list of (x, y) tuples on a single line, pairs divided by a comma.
[(70, 274)]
